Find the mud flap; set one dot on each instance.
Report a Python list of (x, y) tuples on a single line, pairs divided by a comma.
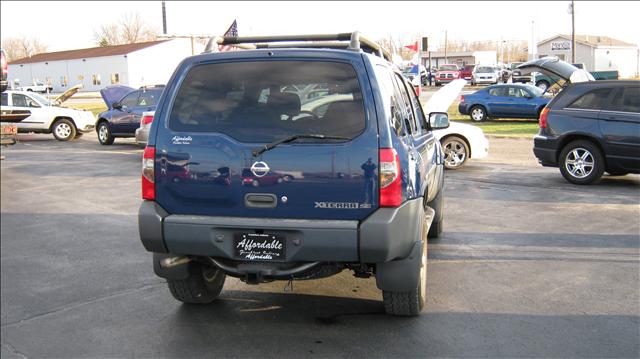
[(403, 275)]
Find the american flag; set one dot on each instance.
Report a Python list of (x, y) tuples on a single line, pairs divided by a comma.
[(233, 32)]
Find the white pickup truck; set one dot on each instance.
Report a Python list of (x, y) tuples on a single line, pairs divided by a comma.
[(36, 87)]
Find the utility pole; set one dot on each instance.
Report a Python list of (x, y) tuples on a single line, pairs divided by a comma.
[(164, 19), (573, 32), (446, 60)]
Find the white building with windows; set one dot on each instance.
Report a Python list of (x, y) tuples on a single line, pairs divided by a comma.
[(134, 65), (597, 53)]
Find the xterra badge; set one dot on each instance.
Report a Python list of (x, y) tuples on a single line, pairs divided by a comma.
[(342, 205)]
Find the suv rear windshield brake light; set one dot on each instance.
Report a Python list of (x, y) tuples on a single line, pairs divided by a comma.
[(390, 179), (148, 163)]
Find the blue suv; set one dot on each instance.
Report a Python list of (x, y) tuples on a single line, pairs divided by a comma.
[(125, 107), (289, 162)]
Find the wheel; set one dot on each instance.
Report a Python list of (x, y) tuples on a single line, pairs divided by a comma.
[(409, 303), (203, 286), (617, 172), (542, 85), (104, 135), (581, 162), (438, 220), (63, 130), (478, 114), (456, 152)]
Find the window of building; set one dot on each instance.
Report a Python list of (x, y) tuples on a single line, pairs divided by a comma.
[(63, 81), (95, 79), (80, 77), (115, 79)]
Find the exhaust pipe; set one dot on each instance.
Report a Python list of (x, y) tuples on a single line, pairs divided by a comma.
[(174, 261)]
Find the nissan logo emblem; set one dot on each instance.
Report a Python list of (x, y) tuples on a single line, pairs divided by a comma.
[(259, 169)]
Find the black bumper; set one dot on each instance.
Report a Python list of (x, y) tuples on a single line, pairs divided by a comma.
[(546, 150)]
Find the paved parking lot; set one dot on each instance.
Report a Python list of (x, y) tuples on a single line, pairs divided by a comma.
[(528, 266)]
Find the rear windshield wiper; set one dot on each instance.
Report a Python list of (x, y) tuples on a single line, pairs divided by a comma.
[(258, 152)]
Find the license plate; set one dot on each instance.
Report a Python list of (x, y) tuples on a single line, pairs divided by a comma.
[(259, 247)]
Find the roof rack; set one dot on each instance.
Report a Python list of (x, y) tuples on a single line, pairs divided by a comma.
[(347, 40)]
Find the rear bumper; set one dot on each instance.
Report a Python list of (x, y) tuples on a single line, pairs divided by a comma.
[(386, 235), (545, 149)]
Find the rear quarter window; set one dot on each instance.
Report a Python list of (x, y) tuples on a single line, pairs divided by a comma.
[(592, 100), (263, 101)]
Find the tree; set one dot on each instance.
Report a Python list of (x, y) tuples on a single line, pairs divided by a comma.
[(21, 47), (128, 30)]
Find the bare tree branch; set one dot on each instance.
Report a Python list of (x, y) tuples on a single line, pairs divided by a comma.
[(128, 30), (21, 47)]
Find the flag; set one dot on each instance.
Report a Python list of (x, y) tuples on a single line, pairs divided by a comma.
[(232, 31), (413, 47)]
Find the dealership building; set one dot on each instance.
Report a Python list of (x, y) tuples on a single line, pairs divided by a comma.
[(597, 53), (134, 65)]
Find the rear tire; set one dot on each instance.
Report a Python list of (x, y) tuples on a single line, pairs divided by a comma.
[(542, 85), (408, 303), (478, 113), (581, 162), (201, 287), (63, 130)]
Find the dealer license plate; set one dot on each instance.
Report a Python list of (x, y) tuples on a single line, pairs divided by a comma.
[(259, 247)]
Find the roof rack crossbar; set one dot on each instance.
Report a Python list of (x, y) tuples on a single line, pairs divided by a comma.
[(355, 42)]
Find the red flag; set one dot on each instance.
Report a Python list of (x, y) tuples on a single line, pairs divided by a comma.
[(413, 47)]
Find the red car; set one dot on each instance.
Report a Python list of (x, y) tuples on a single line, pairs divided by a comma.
[(467, 72), (447, 73)]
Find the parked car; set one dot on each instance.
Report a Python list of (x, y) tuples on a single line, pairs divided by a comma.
[(484, 75), (142, 132), (5, 70), (417, 71), (372, 183), (460, 143), (467, 72), (125, 107), (34, 113), (503, 100), (517, 76), (590, 127), (447, 73)]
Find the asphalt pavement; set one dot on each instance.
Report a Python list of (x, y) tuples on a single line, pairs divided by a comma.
[(528, 266)]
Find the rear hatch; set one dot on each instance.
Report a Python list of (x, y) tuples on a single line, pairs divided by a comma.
[(112, 94), (210, 150), (559, 71)]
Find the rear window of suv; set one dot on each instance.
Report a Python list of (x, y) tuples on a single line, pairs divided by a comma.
[(263, 101)]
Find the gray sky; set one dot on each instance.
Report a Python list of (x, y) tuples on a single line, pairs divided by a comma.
[(69, 25)]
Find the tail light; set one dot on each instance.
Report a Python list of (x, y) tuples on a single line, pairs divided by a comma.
[(418, 90), (390, 180), (461, 98), (148, 162), (3, 63), (543, 118), (147, 119)]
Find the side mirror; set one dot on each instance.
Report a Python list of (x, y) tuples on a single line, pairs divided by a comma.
[(438, 120), (116, 106)]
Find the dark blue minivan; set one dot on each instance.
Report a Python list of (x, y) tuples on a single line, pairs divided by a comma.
[(590, 127), (288, 162)]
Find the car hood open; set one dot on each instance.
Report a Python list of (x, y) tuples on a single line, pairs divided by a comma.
[(111, 94), (552, 66), (66, 95)]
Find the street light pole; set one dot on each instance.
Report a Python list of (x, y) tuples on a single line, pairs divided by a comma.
[(573, 33)]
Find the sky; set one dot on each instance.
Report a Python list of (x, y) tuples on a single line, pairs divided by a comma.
[(70, 25)]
